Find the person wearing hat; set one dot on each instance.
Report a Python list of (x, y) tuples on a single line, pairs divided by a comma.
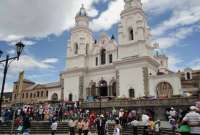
[(193, 120), (101, 122)]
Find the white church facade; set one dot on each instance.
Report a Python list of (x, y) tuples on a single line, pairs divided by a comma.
[(129, 67)]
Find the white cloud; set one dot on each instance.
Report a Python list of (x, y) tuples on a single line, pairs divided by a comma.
[(175, 62), (109, 17), (36, 18), (50, 60), (195, 64), (175, 37), (179, 19)]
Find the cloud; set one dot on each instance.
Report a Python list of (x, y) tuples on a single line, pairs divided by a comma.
[(175, 37), (109, 17), (175, 63), (37, 19), (179, 19), (28, 63), (50, 60)]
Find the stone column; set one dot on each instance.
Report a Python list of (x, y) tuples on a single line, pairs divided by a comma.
[(117, 84), (146, 81), (81, 81)]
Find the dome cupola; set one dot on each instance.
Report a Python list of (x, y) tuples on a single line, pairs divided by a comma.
[(82, 11)]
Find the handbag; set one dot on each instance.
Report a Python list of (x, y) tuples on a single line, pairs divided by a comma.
[(184, 129), (20, 128)]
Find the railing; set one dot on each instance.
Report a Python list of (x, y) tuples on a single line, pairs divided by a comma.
[(142, 103)]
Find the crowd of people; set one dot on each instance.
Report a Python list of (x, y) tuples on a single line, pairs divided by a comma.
[(185, 122)]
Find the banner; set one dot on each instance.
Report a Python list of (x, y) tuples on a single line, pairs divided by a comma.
[(20, 82)]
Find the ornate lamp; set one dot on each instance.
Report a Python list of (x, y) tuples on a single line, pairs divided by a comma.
[(19, 48), (1, 52)]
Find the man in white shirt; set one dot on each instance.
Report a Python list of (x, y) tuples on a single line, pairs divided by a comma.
[(172, 113), (54, 127), (193, 119), (145, 120)]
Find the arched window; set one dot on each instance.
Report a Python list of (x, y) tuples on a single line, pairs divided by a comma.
[(131, 34), (131, 93), (103, 56), (114, 92), (188, 76), (96, 61), (42, 93), (70, 97), (86, 49), (76, 48), (47, 93), (31, 95), (164, 89), (54, 97), (110, 58)]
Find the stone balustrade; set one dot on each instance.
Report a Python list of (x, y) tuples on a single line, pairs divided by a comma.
[(142, 103)]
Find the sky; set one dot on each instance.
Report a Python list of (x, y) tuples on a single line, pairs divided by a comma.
[(44, 26)]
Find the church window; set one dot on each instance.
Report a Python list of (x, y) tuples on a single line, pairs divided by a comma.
[(76, 48), (103, 56), (26, 95), (38, 94), (31, 95), (110, 58), (188, 76), (42, 93), (23, 95), (86, 49), (131, 34), (70, 97), (47, 93), (131, 93), (96, 61)]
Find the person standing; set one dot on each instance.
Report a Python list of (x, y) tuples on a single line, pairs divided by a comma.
[(85, 127), (193, 119), (117, 128), (101, 122), (72, 126), (80, 126), (54, 127), (145, 119), (26, 124)]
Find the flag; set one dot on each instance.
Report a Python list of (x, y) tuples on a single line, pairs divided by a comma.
[(20, 82)]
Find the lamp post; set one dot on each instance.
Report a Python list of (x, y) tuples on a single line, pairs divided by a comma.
[(101, 85), (19, 49)]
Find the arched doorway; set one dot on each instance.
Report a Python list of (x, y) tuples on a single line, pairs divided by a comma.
[(54, 97), (164, 89), (103, 88), (103, 56), (70, 97)]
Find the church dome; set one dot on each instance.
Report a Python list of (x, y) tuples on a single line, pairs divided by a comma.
[(82, 11)]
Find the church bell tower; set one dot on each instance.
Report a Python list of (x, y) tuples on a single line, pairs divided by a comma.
[(133, 31), (80, 42)]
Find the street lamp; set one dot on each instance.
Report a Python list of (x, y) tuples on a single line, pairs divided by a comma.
[(101, 85), (19, 49), (1, 52)]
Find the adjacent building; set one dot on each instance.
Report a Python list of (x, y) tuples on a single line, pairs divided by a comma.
[(36, 93)]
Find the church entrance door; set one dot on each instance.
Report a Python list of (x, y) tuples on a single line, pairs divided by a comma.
[(103, 88)]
